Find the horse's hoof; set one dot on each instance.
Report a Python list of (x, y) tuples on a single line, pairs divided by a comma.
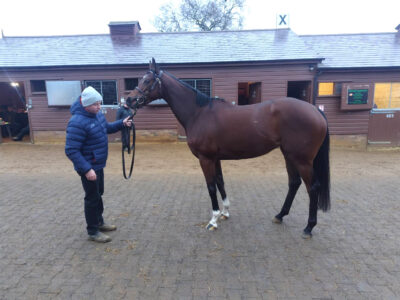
[(211, 227), (276, 220), (223, 217), (306, 235)]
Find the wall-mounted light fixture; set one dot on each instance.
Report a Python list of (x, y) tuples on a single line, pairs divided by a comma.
[(311, 68), (14, 84)]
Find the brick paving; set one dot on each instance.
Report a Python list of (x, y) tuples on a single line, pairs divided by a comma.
[(161, 249)]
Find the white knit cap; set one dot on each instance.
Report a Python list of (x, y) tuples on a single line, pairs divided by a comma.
[(90, 96)]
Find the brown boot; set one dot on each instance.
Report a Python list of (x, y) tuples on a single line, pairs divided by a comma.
[(107, 227)]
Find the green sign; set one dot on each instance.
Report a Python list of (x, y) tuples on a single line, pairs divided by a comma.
[(357, 96)]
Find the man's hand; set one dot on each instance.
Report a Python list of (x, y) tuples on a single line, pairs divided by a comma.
[(91, 175), (127, 122)]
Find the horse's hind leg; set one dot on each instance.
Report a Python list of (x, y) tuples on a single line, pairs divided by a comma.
[(294, 184), (221, 188), (306, 172), (208, 167)]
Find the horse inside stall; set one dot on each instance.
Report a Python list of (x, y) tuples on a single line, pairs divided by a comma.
[(217, 130)]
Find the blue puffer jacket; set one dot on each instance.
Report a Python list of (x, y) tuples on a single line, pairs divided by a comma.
[(86, 144)]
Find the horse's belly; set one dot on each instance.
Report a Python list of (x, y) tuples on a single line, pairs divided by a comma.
[(246, 149)]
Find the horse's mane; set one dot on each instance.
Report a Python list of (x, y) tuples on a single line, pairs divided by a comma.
[(201, 98)]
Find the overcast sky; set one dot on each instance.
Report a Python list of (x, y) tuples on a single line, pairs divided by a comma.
[(70, 17)]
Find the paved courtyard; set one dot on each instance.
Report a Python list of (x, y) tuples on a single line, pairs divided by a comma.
[(161, 249)]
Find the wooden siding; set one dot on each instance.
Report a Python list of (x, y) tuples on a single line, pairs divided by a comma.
[(342, 122), (161, 117), (46, 118), (225, 80)]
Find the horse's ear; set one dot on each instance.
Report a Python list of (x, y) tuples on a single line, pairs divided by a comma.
[(154, 66)]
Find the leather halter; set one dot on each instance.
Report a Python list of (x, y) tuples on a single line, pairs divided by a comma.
[(140, 101)]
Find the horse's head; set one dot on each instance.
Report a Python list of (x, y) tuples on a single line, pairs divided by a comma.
[(148, 89)]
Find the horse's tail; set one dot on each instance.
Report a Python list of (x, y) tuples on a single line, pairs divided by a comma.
[(322, 173)]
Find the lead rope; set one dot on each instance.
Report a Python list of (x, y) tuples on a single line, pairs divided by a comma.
[(126, 144)]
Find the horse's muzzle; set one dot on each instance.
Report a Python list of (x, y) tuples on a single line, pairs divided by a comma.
[(136, 103)]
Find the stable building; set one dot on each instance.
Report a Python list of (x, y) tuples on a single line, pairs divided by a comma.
[(354, 78)]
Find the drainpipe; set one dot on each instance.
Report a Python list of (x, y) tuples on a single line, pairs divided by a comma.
[(315, 86)]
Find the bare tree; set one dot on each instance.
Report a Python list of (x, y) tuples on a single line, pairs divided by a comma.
[(203, 15)]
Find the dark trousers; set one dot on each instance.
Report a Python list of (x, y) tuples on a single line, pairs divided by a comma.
[(93, 202), (24, 131)]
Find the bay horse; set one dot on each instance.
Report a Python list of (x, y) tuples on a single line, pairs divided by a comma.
[(218, 130)]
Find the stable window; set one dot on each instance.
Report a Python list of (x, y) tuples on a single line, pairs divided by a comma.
[(60, 93), (329, 88), (130, 83), (387, 95), (203, 85), (107, 88), (38, 86)]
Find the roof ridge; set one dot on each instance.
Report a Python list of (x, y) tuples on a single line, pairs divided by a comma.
[(214, 31), (55, 36), (148, 33), (345, 34)]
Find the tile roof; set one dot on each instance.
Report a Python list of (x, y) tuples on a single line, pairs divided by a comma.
[(174, 48), (356, 50), (338, 50)]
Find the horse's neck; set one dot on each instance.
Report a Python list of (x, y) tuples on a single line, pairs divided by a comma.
[(180, 98)]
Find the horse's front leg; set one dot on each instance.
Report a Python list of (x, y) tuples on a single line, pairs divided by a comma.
[(209, 170), (221, 188)]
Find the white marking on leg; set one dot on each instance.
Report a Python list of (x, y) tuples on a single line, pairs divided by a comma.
[(225, 203), (215, 216)]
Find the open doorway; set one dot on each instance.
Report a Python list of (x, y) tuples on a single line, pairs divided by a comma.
[(14, 117), (300, 90), (249, 93)]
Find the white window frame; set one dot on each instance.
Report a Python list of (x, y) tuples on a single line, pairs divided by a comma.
[(101, 81), (196, 81), (62, 92)]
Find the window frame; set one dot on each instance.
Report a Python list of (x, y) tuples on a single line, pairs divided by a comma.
[(85, 84), (196, 80), (69, 83), (125, 83), (37, 92), (337, 88), (162, 102), (390, 97)]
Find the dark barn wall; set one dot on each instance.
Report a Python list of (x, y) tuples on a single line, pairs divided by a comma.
[(225, 81), (46, 118), (342, 122)]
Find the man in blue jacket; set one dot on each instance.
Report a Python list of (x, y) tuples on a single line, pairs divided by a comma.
[(87, 147)]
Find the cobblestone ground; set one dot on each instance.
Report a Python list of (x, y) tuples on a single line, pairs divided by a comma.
[(161, 249)]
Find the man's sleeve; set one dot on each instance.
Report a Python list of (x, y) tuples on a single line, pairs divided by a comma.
[(114, 126)]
